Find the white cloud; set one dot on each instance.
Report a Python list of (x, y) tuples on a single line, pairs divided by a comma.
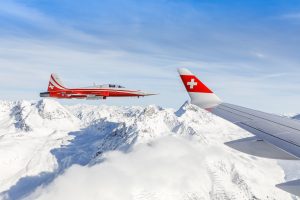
[(258, 55), (43, 23), (10, 8), (291, 16), (168, 168)]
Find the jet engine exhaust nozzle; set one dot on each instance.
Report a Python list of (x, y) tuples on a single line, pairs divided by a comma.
[(44, 94)]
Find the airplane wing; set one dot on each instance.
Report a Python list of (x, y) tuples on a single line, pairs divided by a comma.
[(275, 136)]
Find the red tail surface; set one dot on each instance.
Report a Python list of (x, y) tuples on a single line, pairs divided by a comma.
[(55, 84), (193, 84), (199, 93)]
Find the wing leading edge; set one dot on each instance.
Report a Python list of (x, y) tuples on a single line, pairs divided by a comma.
[(276, 137)]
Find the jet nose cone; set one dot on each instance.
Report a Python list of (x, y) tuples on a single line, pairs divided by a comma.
[(142, 93)]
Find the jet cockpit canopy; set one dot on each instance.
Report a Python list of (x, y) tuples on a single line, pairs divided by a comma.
[(108, 86), (115, 86)]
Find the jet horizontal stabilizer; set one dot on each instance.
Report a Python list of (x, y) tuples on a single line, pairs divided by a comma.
[(257, 147), (292, 187)]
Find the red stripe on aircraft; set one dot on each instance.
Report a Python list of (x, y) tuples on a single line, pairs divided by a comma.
[(193, 84), (57, 82)]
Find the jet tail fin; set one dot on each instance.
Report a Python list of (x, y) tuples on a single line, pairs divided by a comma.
[(199, 93), (55, 83)]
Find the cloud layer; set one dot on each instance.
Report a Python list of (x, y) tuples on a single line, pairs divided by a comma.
[(168, 168)]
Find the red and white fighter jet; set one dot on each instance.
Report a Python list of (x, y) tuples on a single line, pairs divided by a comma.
[(56, 89)]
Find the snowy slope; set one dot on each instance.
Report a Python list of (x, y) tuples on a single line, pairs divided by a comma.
[(52, 151), (28, 132)]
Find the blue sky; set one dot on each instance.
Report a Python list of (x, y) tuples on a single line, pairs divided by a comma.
[(246, 51)]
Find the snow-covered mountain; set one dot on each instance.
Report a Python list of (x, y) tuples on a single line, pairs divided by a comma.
[(50, 151)]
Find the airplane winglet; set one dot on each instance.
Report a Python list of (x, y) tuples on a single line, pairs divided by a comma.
[(199, 93)]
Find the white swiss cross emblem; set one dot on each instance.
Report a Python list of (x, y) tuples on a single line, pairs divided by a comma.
[(51, 86), (192, 83)]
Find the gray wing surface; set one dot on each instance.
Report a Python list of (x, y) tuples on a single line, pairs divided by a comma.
[(282, 132)]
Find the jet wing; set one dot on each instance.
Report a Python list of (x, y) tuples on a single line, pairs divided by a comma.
[(279, 131), (276, 136)]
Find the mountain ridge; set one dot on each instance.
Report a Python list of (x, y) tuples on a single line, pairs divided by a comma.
[(51, 138)]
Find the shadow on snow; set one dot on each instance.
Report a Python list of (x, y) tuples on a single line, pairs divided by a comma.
[(86, 145)]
